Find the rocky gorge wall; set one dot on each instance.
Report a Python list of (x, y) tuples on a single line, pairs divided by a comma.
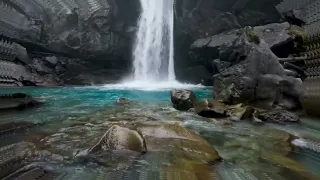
[(195, 19), (67, 41), (236, 46), (90, 42)]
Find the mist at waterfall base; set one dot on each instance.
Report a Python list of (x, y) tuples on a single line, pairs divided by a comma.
[(153, 62)]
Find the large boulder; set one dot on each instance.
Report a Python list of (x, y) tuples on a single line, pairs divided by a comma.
[(201, 19), (120, 138), (207, 51), (278, 90), (177, 141), (256, 75), (179, 147), (251, 59), (182, 99)]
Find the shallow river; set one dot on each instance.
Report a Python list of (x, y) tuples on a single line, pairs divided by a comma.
[(74, 119)]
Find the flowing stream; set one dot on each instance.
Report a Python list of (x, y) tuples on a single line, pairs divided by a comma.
[(73, 119), (153, 53)]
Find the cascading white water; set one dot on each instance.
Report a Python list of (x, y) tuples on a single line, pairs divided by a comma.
[(153, 53)]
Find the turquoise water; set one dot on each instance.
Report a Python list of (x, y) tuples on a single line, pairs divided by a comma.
[(68, 101), (74, 118)]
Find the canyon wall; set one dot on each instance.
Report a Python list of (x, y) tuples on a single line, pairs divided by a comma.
[(46, 42), (196, 19)]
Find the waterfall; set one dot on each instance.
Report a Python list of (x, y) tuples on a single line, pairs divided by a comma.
[(153, 52)]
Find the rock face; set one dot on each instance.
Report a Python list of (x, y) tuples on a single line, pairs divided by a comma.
[(98, 34), (196, 19), (207, 51), (208, 17), (282, 91), (237, 83), (183, 99), (256, 76)]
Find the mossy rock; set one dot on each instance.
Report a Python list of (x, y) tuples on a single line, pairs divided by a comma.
[(253, 36), (120, 138), (297, 33)]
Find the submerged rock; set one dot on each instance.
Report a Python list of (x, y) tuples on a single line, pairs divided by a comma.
[(123, 101), (188, 169), (276, 141), (10, 127), (297, 169), (14, 157), (251, 147), (17, 101), (119, 138), (182, 99), (279, 116)]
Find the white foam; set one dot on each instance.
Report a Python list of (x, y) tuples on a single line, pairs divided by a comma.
[(304, 143), (151, 86), (300, 142)]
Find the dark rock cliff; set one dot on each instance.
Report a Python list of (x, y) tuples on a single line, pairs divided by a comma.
[(195, 19), (235, 45), (67, 41)]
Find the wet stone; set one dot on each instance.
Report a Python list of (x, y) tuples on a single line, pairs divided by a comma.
[(10, 127), (279, 116), (17, 101), (13, 157), (210, 109), (182, 99), (120, 138)]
